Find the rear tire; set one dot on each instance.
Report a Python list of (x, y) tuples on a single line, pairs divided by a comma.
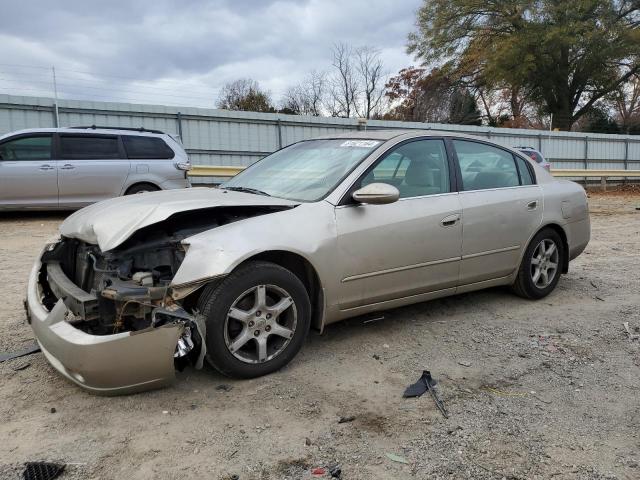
[(541, 266), (141, 188), (257, 319)]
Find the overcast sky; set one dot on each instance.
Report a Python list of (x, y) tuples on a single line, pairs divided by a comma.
[(182, 52)]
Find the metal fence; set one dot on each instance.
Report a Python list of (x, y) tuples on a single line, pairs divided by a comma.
[(220, 137)]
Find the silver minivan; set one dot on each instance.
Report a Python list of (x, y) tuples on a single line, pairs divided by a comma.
[(68, 168)]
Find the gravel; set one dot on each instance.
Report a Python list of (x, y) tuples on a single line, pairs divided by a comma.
[(534, 390)]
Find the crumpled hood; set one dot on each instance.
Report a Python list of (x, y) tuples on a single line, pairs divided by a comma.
[(111, 222)]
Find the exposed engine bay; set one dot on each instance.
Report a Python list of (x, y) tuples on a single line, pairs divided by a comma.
[(128, 288)]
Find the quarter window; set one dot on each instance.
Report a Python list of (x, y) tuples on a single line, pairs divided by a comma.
[(416, 169), (483, 166), (88, 147), (138, 147), (27, 148), (525, 173)]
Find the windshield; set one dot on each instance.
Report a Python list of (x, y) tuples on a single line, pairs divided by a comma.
[(306, 171)]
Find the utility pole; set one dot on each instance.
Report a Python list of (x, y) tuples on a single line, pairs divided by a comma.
[(55, 96)]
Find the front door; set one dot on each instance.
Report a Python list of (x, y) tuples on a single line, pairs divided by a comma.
[(406, 248), (91, 168), (28, 174), (501, 209)]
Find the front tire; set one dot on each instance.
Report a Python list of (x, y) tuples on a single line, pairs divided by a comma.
[(541, 266), (257, 319)]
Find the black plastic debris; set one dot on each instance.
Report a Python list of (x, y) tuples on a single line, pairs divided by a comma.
[(346, 419), (27, 351), (335, 471), (42, 470), (426, 383)]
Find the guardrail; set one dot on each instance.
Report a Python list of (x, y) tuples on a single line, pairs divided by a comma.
[(211, 171), (230, 171), (602, 174)]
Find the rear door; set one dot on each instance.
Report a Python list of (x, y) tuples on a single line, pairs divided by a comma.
[(28, 173), (92, 167), (501, 209)]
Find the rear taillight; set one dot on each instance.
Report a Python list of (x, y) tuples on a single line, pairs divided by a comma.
[(547, 166)]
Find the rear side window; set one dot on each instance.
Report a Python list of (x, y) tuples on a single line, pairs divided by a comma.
[(138, 147), (88, 147), (27, 148), (525, 172), (484, 166)]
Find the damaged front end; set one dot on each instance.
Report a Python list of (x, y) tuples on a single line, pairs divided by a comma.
[(112, 321), (123, 290)]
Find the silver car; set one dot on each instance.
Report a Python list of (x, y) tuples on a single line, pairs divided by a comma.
[(317, 232), (68, 168)]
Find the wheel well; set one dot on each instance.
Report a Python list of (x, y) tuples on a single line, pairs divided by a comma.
[(307, 274), (565, 244), (137, 184)]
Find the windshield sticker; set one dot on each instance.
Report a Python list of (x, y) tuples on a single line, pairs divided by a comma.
[(360, 143)]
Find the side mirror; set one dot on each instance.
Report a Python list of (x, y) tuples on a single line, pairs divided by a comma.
[(376, 194)]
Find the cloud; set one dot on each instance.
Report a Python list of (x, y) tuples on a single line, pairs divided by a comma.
[(173, 52)]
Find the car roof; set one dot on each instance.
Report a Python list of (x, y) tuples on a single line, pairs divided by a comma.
[(388, 134), (87, 131)]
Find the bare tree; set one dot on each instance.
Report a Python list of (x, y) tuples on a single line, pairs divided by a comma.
[(370, 69), (306, 98), (626, 100), (344, 83), (244, 94)]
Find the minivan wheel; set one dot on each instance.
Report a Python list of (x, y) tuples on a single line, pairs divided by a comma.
[(257, 319), (141, 188), (541, 266)]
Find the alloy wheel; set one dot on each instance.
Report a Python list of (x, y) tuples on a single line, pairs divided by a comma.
[(260, 324), (544, 263)]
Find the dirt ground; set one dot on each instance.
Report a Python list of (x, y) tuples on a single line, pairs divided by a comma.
[(547, 389)]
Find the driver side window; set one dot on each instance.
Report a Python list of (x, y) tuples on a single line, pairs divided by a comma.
[(415, 168), (36, 147)]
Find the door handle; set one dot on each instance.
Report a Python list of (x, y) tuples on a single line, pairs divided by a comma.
[(532, 205), (67, 166), (46, 167), (450, 220)]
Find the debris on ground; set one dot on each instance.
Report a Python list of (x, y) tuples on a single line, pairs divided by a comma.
[(396, 458), (42, 470), (27, 351), (426, 383), (223, 387), (20, 366), (335, 471), (318, 471), (53, 410), (346, 419), (599, 298), (373, 319), (464, 363), (632, 336)]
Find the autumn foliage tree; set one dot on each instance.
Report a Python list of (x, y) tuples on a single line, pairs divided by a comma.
[(567, 55), (244, 94)]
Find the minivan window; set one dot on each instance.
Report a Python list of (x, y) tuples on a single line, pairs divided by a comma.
[(37, 147), (138, 147), (483, 166), (88, 147)]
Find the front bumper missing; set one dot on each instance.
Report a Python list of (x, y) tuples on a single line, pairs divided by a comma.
[(115, 364)]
